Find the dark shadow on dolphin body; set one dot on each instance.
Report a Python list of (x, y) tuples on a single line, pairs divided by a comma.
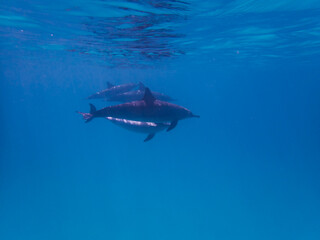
[(149, 109)]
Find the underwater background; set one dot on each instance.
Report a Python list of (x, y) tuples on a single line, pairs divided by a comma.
[(248, 168)]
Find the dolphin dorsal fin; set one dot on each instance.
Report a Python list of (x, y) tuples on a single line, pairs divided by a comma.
[(141, 86), (109, 85), (148, 97)]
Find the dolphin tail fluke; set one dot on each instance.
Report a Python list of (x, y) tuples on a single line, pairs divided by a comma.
[(92, 112), (92, 108), (172, 125), (149, 137), (86, 116)]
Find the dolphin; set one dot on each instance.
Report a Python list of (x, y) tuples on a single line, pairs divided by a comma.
[(150, 128), (137, 95), (149, 109), (113, 90)]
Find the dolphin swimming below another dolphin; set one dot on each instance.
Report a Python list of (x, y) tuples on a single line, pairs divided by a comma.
[(149, 128), (149, 109), (113, 90)]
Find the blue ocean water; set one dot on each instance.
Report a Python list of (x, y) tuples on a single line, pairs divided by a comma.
[(248, 168)]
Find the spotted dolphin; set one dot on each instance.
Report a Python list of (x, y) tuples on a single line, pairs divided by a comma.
[(113, 90), (149, 109)]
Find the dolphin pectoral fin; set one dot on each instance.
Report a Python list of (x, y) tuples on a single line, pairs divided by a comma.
[(172, 125), (149, 137), (148, 97)]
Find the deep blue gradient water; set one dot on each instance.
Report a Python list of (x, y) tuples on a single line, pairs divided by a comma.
[(247, 169)]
